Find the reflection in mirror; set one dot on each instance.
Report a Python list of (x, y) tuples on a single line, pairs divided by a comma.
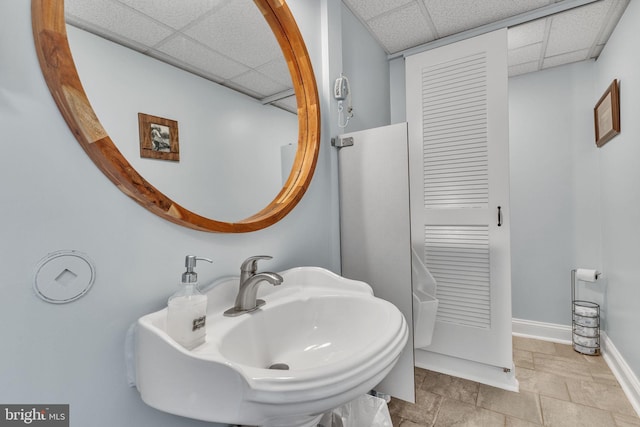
[(236, 150), (59, 71)]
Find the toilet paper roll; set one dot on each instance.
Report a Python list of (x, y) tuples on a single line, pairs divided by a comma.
[(587, 275)]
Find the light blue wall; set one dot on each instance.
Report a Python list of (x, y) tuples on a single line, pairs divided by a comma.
[(364, 62), (573, 204), (555, 223), (397, 95), (619, 181), (53, 197)]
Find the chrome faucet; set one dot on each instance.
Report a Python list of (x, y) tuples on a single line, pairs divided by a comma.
[(247, 301)]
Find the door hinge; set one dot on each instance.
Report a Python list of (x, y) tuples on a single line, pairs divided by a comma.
[(340, 142)]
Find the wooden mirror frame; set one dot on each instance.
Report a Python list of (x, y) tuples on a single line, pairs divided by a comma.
[(60, 73)]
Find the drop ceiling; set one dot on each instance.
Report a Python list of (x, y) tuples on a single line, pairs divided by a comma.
[(228, 41), (574, 35)]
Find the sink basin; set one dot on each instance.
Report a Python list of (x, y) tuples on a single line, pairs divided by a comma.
[(320, 341), (302, 333)]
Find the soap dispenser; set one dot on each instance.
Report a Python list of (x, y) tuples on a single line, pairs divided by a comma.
[(187, 308)]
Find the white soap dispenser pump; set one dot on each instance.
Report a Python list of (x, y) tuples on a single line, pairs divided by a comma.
[(187, 308)]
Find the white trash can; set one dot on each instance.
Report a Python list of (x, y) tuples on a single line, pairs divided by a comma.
[(365, 411)]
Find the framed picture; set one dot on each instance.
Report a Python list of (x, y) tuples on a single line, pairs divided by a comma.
[(606, 115), (158, 138)]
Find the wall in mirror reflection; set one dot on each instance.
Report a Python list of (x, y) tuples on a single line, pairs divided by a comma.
[(235, 153)]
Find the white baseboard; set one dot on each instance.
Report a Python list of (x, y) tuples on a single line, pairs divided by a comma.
[(562, 334), (542, 331), (623, 373)]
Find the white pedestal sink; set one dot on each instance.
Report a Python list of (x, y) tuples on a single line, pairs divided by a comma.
[(319, 342)]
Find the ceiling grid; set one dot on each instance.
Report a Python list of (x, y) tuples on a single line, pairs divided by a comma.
[(211, 38)]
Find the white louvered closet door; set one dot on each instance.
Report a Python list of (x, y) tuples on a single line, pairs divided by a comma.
[(457, 110)]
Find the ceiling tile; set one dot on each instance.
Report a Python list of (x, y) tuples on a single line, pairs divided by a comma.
[(173, 13), (617, 9), (576, 29), (238, 31), (402, 29), (526, 34), (527, 67), (524, 54), (566, 58), (190, 52), (115, 21), (224, 39), (450, 17), (597, 50), (367, 9), (258, 83), (278, 71), (290, 104)]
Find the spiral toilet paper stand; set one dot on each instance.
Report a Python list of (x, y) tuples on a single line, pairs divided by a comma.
[(585, 316)]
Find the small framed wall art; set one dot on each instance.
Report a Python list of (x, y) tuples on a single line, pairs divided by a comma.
[(606, 114), (158, 138)]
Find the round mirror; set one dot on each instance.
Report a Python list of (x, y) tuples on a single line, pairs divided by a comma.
[(60, 73)]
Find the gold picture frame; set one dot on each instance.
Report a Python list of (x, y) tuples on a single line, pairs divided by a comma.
[(606, 115), (158, 138)]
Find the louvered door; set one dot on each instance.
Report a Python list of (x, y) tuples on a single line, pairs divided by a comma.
[(458, 155)]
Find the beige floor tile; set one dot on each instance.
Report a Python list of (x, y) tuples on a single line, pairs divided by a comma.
[(423, 412), (534, 346), (600, 371), (562, 366), (556, 385), (453, 387), (517, 422), (596, 365), (605, 378), (542, 382), (602, 396), (595, 361), (626, 420), (455, 413), (396, 419), (559, 413), (523, 405), (566, 350), (602, 374), (419, 376), (523, 359), (409, 423)]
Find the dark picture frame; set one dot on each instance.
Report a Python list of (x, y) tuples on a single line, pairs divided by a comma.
[(606, 115), (158, 138)]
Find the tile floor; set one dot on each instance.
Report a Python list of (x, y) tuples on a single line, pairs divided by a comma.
[(558, 387)]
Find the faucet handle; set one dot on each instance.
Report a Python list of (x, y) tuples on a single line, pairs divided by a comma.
[(250, 265)]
